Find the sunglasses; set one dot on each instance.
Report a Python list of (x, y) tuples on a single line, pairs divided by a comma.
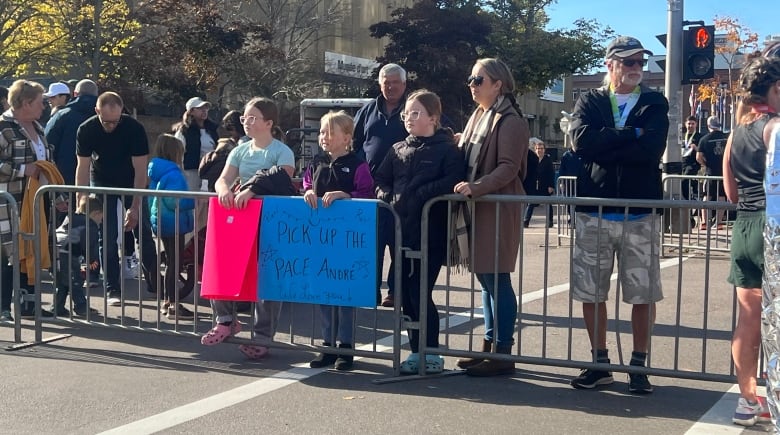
[(475, 80), (631, 62)]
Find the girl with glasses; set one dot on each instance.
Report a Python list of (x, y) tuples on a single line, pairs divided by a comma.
[(262, 152), (425, 165)]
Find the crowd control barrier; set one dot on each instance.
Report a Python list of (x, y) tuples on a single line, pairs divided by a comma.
[(691, 337)]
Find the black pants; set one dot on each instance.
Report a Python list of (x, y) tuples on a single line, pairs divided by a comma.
[(174, 248), (7, 285), (70, 281), (411, 298), (385, 238)]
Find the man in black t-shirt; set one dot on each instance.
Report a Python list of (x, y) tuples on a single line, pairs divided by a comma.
[(113, 151), (710, 156)]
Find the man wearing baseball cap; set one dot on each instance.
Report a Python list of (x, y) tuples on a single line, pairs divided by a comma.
[(58, 96), (619, 132)]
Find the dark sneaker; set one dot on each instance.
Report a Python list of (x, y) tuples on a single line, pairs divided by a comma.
[(82, 311), (179, 312), (323, 360), (388, 301), (5, 316), (61, 312), (30, 314), (589, 379), (639, 384)]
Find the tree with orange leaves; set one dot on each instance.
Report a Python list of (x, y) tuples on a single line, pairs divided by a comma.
[(739, 41)]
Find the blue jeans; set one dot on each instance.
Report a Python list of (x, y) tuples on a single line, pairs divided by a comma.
[(341, 319), (503, 307)]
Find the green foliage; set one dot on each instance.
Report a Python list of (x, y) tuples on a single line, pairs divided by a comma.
[(437, 45), (438, 41), (54, 37)]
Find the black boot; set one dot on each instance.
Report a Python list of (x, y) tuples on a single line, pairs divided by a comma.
[(492, 367), (323, 359), (464, 363), (344, 362)]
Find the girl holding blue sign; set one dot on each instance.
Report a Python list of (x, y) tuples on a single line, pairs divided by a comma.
[(338, 174), (425, 165)]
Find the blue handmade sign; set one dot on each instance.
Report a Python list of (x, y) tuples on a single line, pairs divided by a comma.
[(318, 256)]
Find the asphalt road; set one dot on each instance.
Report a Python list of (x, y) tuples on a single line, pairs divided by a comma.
[(116, 380)]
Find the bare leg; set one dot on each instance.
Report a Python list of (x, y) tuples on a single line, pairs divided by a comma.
[(598, 341), (642, 320), (746, 340)]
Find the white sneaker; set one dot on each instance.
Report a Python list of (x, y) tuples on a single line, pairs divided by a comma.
[(748, 414), (130, 267)]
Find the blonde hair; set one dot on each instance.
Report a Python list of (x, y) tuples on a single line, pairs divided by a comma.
[(169, 147), (24, 90), (340, 119)]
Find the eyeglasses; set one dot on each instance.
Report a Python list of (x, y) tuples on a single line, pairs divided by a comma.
[(475, 80), (631, 62), (249, 120), (414, 115)]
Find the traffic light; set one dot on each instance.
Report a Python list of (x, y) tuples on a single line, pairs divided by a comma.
[(698, 54)]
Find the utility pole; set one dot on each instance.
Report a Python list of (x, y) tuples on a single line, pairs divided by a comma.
[(672, 162)]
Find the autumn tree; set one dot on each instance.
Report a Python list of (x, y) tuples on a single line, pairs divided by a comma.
[(739, 41), (29, 36), (438, 41), (60, 37)]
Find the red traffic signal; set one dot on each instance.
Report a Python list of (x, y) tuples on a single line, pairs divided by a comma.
[(698, 60)]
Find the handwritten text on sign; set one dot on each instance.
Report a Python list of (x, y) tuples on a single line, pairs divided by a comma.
[(318, 256)]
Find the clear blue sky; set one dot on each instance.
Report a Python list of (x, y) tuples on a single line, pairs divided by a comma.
[(643, 19)]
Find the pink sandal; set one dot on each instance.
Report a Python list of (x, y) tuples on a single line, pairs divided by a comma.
[(253, 352), (219, 333)]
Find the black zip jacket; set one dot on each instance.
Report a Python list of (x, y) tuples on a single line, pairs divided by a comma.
[(414, 171), (616, 163)]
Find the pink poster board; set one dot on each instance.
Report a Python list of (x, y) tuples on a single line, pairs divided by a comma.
[(230, 256)]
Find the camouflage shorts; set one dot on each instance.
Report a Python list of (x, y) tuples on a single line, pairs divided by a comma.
[(635, 243)]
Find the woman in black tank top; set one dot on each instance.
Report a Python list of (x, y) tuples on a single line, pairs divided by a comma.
[(744, 166)]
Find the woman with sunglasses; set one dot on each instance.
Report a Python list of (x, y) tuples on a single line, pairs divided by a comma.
[(263, 151), (495, 144)]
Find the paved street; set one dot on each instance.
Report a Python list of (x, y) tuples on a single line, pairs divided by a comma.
[(119, 381)]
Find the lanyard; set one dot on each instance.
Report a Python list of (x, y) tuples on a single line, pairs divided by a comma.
[(621, 117)]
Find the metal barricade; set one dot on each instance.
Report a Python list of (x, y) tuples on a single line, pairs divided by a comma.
[(706, 224), (11, 209), (376, 331), (565, 187), (692, 333)]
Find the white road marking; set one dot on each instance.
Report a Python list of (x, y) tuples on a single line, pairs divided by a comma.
[(716, 420)]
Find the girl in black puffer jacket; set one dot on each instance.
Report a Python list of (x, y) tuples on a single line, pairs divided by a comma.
[(425, 165)]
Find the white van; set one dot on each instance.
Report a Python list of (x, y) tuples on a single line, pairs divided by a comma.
[(312, 110)]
